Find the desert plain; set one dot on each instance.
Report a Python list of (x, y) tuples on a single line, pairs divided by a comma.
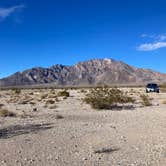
[(49, 130)]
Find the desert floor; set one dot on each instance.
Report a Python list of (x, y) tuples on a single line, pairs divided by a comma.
[(69, 132)]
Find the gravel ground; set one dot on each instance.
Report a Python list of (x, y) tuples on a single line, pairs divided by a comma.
[(73, 134)]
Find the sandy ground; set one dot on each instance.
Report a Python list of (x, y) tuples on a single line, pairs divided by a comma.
[(83, 137)]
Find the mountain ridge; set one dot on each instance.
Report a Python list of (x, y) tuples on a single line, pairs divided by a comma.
[(91, 72)]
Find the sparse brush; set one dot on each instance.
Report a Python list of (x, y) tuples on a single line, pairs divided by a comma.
[(83, 91), (132, 91), (63, 93), (50, 101), (106, 98), (43, 96), (16, 91), (6, 113), (145, 100)]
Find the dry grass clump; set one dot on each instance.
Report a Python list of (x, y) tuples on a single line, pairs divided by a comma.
[(106, 98), (63, 93), (145, 100), (6, 113)]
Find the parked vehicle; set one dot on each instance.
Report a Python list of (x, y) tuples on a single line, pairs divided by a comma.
[(152, 87)]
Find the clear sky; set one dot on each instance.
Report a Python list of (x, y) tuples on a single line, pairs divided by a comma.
[(46, 32)]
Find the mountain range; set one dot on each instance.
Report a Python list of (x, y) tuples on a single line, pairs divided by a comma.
[(88, 73)]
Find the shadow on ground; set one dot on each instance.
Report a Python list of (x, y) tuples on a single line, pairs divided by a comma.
[(106, 150), (16, 130), (121, 107)]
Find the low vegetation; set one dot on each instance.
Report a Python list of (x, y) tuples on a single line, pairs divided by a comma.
[(16, 91), (145, 100), (163, 88), (106, 98), (63, 93), (50, 101), (6, 113)]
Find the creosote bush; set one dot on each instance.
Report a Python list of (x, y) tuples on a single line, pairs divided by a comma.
[(145, 100), (63, 93), (106, 98)]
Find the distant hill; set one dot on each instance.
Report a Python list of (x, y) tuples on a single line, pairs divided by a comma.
[(92, 72)]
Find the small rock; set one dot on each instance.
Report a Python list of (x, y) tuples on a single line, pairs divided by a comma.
[(57, 157), (84, 159), (34, 109)]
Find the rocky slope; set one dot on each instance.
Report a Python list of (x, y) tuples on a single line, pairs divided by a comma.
[(93, 72)]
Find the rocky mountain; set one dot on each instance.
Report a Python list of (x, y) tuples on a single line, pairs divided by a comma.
[(93, 72)]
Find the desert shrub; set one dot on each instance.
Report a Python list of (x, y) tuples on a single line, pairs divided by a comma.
[(83, 91), (16, 90), (63, 93), (5, 113), (106, 98), (145, 100)]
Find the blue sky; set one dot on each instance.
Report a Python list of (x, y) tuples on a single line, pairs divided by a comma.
[(46, 32)]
